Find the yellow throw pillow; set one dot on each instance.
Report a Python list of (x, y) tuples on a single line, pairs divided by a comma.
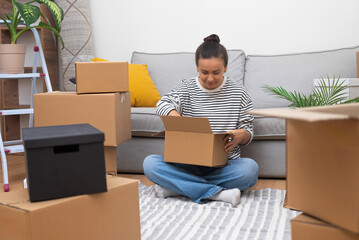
[(143, 91), (99, 60)]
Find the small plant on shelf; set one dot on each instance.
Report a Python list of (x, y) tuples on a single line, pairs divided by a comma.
[(28, 14), (329, 92)]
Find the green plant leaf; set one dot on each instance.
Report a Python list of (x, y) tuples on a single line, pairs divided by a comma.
[(44, 25), (9, 16), (55, 10), (29, 13), (328, 92), (6, 23), (353, 100), (48, 23), (297, 99)]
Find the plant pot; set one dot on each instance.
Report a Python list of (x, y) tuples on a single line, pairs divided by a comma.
[(12, 58)]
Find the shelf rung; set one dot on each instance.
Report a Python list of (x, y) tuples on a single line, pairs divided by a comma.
[(11, 107), (12, 142), (17, 111), (19, 75), (14, 149)]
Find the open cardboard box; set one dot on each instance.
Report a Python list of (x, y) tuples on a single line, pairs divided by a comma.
[(108, 112), (101, 77), (305, 227), (111, 215), (190, 140), (323, 161)]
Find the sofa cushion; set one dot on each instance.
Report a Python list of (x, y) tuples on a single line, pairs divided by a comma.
[(145, 122), (269, 128), (295, 72), (168, 69)]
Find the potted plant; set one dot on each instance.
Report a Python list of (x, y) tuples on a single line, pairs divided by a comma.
[(26, 14), (329, 92)]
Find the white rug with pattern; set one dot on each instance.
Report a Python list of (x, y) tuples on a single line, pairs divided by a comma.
[(260, 215)]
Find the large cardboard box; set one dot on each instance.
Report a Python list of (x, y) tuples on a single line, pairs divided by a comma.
[(322, 162), (101, 77), (111, 160), (305, 227), (111, 215), (108, 112), (63, 161), (191, 141)]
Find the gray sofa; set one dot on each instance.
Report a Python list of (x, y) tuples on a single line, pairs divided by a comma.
[(268, 148)]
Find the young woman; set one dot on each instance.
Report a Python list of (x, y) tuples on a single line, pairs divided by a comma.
[(224, 102)]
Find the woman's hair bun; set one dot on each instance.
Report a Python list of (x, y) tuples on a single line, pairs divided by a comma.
[(212, 38)]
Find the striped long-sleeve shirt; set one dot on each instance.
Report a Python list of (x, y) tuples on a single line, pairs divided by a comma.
[(224, 106)]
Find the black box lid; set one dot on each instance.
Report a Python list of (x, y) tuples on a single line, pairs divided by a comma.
[(61, 135)]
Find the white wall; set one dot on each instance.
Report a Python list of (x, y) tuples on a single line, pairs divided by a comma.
[(256, 26)]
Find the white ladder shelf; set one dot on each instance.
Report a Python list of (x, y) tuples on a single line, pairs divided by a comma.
[(16, 146)]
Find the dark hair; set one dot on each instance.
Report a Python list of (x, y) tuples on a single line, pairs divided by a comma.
[(212, 48)]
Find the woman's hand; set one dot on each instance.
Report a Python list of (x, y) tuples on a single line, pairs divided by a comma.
[(235, 137)]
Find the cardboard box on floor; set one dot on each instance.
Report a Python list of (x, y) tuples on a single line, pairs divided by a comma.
[(101, 77), (108, 112), (191, 141), (111, 160), (110, 215), (322, 162), (305, 227)]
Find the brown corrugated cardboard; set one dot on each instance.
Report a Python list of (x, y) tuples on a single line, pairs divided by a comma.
[(110, 215), (110, 112), (191, 141), (305, 227), (111, 160), (101, 77), (322, 162)]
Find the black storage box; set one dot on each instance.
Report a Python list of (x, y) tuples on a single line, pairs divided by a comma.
[(64, 161)]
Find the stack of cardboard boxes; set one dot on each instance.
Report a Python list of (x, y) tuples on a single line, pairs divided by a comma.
[(322, 170), (102, 100)]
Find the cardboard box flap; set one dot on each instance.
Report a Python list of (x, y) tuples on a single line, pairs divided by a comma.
[(159, 134), (13, 196), (351, 110), (186, 124), (313, 114), (306, 219), (19, 199)]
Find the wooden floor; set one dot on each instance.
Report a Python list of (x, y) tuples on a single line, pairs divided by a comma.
[(16, 169)]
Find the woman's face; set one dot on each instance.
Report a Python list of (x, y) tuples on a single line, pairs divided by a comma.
[(211, 72)]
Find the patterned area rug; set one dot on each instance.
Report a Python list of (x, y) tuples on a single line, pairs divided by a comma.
[(260, 215)]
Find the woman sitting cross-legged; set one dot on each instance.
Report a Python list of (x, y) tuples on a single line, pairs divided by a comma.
[(225, 103)]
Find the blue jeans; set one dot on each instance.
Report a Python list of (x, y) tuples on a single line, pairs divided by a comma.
[(199, 182)]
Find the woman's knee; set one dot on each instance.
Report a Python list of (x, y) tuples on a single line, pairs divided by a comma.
[(248, 170), (251, 173), (151, 164)]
